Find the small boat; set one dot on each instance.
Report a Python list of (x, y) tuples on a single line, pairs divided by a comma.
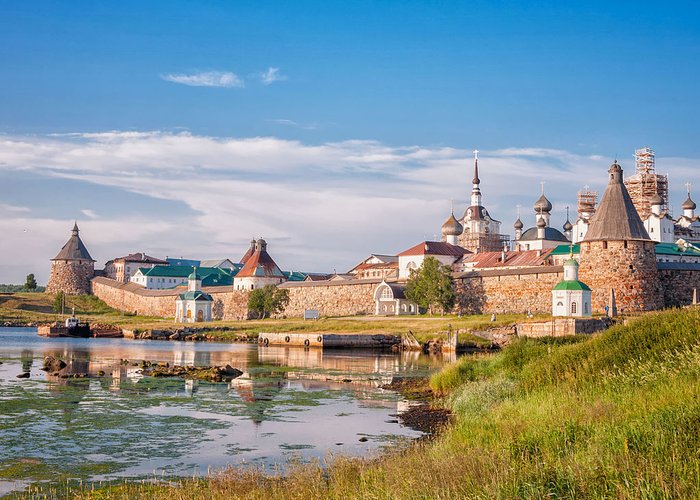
[(114, 333), (76, 328)]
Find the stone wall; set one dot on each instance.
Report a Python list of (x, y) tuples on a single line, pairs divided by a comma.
[(628, 267), (561, 327), (678, 282), (130, 297), (508, 290), (341, 298), (71, 277)]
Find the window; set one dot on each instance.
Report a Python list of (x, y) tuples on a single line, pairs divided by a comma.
[(573, 308), (605, 245), (386, 293), (585, 308)]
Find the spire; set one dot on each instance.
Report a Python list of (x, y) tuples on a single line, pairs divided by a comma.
[(75, 230), (476, 192), (688, 204)]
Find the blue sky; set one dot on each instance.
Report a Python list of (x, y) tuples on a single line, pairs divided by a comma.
[(344, 90)]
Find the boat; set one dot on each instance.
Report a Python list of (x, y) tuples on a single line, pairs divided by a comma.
[(76, 328), (73, 327), (114, 333)]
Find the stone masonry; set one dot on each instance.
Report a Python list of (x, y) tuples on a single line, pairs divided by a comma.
[(331, 298), (628, 267), (511, 291), (72, 277)]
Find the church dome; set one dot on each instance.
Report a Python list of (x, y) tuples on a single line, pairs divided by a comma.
[(518, 224), (689, 204), (543, 205), (568, 226), (194, 275), (571, 262), (656, 200), (452, 227)]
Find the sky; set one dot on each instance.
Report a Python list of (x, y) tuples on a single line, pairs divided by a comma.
[(332, 129)]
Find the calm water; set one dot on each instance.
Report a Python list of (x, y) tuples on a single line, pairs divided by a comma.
[(290, 403)]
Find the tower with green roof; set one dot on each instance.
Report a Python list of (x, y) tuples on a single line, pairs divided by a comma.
[(571, 297)]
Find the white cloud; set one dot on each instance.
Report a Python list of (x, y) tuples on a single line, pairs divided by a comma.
[(14, 208), (271, 75), (206, 79), (292, 123), (89, 213), (320, 206)]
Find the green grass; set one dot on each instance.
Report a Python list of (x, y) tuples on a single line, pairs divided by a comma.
[(616, 415)]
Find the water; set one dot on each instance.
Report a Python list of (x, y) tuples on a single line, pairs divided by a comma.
[(290, 403)]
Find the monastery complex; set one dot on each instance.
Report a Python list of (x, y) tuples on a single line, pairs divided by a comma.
[(623, 253)]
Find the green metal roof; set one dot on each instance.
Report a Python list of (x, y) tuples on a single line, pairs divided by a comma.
[(182, 271), (197, 296), (571, 285), (295, 275), (673, 249), (565, 249), (571, 262)]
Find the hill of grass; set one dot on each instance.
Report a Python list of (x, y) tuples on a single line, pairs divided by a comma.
[(616, 415)]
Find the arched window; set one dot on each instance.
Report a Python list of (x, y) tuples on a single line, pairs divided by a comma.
[(585, 308), (411, 265), (386, 293), (560, 304), (189, 313), (573, 308)]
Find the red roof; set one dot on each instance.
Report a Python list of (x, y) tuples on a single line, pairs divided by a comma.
[(260, 265), (435, 248), (486, 260), (248, 252)]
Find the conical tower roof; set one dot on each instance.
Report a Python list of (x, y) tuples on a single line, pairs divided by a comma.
[(74, 249), (616, 218)]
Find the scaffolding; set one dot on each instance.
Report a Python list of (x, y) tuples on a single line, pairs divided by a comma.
[(587, 201), (646, 183)]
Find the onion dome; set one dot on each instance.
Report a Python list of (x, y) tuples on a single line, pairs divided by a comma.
[(688, 204), (518, 224), (568, 226), (656, 200), (543, 205), (194, 275), (541, 222), (571, 262), (452, 227)]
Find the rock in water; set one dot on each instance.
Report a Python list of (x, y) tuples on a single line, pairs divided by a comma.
[(23, 375), (52, 364), (231, 371)]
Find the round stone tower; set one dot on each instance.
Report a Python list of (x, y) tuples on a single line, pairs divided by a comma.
[(73, 268), (617, 253)]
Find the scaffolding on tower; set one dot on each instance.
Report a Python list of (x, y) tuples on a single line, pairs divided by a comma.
[(587, 201), (645, 182)]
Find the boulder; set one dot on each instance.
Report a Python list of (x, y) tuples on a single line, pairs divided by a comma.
[(230, 371), (23, 375), (52, 364)]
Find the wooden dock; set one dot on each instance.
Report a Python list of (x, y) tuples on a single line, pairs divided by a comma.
[(329, 340)]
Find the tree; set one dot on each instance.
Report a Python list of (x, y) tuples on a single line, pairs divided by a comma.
[(430, 286), (30, 283), (267, 301), (58, 301)]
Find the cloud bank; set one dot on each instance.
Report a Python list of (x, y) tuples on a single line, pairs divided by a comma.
[(320, 206)]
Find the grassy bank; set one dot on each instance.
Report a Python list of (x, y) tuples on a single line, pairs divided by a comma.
[(25, 308), (615, 415)]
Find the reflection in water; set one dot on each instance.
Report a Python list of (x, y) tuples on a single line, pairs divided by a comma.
[(288, 402)]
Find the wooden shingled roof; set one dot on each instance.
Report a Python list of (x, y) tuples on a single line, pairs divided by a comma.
[(616, 218), (260, 264), (74, 249)]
